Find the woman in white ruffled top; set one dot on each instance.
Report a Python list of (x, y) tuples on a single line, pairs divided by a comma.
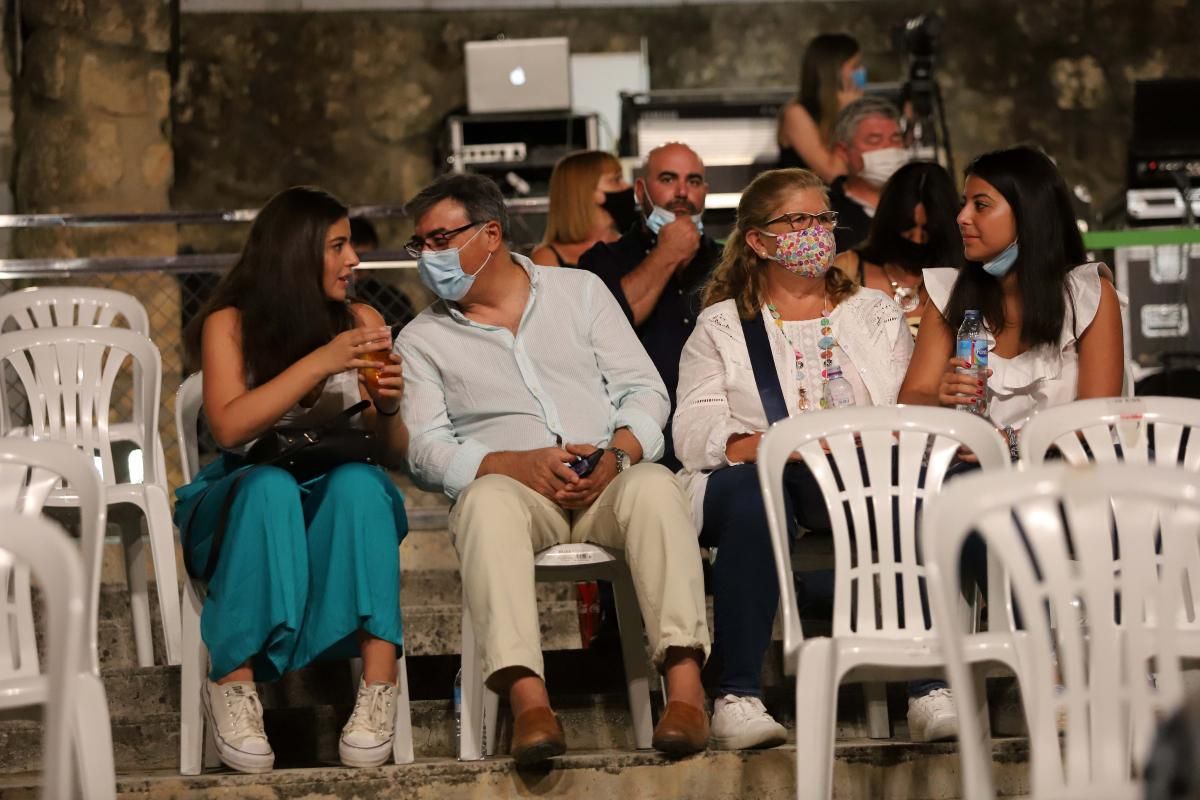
[(1053, 321)]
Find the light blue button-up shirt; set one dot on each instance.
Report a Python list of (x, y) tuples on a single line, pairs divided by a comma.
[(574, 372)]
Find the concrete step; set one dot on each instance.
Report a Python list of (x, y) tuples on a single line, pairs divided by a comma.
[(862, 770), (305, 711)]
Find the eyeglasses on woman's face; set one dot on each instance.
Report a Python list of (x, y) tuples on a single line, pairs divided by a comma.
[(802, 220)]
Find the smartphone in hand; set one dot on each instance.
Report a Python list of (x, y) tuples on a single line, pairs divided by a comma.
[(583, 465)]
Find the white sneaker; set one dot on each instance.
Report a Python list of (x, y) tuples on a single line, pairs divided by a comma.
[(742, 723), (367, 738), (235, 717), (931, 717)]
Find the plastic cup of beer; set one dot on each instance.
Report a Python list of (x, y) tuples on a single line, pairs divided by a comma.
[(371, 374)]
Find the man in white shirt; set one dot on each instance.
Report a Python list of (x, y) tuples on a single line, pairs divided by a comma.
[(515, 379)]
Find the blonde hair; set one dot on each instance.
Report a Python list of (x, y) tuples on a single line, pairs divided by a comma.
[(572, 215), (740, 274)]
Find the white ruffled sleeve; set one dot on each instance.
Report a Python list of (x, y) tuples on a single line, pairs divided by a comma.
[(939, 283), (1083, 285)]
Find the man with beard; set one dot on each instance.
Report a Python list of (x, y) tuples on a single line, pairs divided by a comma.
[(656, 269), (867, 135)]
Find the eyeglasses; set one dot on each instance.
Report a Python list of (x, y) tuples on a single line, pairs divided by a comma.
[(439, 240), (802, 221)]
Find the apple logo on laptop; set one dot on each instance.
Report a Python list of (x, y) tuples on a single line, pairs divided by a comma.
[(517, 77)]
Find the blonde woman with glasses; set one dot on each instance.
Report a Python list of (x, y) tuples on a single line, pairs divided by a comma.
[(777, 299)]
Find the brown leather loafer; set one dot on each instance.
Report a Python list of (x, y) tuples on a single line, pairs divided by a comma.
[(537, 736), (682, 731)]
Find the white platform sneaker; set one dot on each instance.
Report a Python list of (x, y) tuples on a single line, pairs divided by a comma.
[(742, 723), (367, 738), (932, 717), (235, 717)]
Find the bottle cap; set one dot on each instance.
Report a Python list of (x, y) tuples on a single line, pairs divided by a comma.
[(834, 372)]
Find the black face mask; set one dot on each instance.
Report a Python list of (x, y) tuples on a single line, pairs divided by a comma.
[(622, 207), (906, 254)]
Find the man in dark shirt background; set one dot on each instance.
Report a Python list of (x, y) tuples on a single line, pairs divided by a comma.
[(657, 268)]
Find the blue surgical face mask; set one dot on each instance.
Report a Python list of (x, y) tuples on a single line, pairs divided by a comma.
[(858, 77), (442, 273), (660, 216), (999, 266)]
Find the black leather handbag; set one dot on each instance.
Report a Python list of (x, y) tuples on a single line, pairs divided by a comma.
[(310, 452), (306, 453)]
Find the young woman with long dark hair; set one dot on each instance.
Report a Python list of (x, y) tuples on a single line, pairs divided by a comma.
[(914, 229), (1053, 320), (831, 77), (308, 570)]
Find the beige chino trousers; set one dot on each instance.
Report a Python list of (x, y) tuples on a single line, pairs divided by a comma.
[(499, 524)]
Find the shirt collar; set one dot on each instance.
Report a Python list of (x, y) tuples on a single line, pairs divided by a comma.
[(524, 263)]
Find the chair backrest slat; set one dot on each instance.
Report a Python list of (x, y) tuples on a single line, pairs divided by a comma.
[(882, 465), (69, 376), (1099, 562)]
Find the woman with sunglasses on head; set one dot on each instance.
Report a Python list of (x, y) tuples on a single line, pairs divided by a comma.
[(296, 568), (1053, 322), (913, 229), (777, 299)]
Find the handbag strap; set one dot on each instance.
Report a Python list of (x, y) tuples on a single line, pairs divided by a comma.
[(763, 364)]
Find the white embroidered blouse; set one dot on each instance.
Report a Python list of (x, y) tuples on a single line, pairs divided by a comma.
[(719, 398)]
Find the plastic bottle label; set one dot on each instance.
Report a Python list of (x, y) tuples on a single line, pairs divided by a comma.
[(974, 352)]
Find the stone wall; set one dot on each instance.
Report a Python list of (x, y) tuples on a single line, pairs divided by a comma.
[(353, 100), (92, 132), (93, 122)]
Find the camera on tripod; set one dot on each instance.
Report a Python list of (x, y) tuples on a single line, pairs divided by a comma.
[(916, 40)]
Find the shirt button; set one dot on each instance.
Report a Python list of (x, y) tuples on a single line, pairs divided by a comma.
[(681, 291)]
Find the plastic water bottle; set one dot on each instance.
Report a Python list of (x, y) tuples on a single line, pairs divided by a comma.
[(458, 712), (837, 392), (973, 348)]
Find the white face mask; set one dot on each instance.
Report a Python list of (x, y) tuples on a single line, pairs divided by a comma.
[(880, 165)]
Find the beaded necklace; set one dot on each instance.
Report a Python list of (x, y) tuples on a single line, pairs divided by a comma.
[(825, 347)]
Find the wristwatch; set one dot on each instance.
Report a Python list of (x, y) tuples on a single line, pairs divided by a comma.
[(622, 459)]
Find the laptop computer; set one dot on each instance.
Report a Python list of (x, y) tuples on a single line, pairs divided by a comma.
[(510, 75)]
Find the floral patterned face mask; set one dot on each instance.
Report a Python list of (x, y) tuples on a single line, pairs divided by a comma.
[(808, 253)]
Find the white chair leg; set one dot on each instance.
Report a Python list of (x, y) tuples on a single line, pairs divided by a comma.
[(402, 741), (192, 738), (166, 576), (491, 721), (93, 740), (816, 708), (139, 599), (981, 706), (470, 744), (878, 724), (633, 652)]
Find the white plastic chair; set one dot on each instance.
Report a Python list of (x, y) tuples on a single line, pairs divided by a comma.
[(566, 563), (879, 627), (42, 547), (1103, 423), (68, 376), (29, 472), (76, 306), (1100, 613), (197, 749)]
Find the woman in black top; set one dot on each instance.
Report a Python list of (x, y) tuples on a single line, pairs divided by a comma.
[(831, 77), (913, 229)]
